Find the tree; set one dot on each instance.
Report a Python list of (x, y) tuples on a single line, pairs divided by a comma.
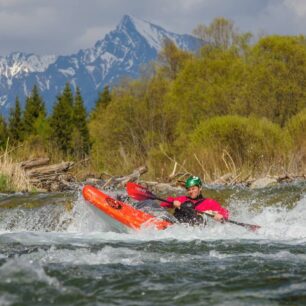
[(105, 97), (67, 94), (208, 86), (172, 59), (80, 135), (221, 33), (15, 126), (102, 102), (34, 108), (276, 78), (3, 132), (61, 120)]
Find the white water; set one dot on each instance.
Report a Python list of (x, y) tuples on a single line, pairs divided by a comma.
[(277, 224), (85, 222)]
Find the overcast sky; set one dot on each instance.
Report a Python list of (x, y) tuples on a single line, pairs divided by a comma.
[(65, 26)]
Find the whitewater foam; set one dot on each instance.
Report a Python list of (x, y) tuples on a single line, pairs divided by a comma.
[(84, 222)]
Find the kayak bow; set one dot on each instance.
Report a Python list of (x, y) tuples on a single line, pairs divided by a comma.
[(122, 212)]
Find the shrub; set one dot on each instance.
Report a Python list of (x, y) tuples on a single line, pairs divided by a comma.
[(233, 142), (296, 127)]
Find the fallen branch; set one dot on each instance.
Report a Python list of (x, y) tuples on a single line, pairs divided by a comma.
[(55, 168), (131, 177), (33, 163)]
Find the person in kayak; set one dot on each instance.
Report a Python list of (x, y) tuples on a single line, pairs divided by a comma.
[(188, 208)]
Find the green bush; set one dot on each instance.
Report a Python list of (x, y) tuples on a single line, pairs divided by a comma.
[(237, 142), (296, 128)]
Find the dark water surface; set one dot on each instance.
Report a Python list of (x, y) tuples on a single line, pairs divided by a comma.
[(56, 250)]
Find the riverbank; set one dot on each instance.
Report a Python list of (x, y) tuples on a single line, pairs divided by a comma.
[(39, 175)]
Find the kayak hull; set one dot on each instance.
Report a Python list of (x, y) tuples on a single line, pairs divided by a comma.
[(122, 212)]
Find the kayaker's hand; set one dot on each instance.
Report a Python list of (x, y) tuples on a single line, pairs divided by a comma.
[(219, 217), (177, 204)]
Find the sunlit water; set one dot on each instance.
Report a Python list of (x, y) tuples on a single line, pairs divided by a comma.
[(56, 249)]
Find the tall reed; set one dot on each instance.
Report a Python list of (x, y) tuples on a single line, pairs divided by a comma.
[(13, 177)]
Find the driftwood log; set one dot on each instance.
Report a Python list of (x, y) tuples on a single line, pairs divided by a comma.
[(132, 177), (119, 182), (46, 177), (122, 180), (32, 163)]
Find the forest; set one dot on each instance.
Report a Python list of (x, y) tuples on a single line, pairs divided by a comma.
[(236, 106)]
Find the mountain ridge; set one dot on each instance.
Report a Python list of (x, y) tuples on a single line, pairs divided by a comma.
[(121, 52)]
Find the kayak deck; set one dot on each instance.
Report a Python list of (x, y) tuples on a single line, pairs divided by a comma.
[(123, 212)]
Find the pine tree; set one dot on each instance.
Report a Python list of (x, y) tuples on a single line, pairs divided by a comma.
[(61, 120), (15, 126), (34, 108), (102, 102), (3, 132), (80, 135), (68, 95)]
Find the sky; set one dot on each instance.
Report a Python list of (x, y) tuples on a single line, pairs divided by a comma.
[(63, 27)]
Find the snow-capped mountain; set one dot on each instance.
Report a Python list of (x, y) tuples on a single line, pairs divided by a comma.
[(122, 52)]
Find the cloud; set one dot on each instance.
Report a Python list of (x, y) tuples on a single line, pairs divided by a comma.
[(63, 27), (89, 37), (298, 6)]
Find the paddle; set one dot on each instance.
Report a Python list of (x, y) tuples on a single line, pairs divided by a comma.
[(140, 193)]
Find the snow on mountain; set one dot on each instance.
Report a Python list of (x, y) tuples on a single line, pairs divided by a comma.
[(122, 52), (156, 35), (18, 63)]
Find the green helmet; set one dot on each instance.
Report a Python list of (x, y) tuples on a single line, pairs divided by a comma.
[(193, 181)]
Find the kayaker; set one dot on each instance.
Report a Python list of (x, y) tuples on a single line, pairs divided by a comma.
[(188, 208)]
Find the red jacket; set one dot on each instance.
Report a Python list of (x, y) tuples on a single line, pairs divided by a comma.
[(206, 204)]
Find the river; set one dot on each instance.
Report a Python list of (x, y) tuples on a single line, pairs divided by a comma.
[(56, 250)]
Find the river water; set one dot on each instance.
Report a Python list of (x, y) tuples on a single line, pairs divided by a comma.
[(56, 250)]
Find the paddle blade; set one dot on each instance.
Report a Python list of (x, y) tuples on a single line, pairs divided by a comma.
[(138, 192), (253, 227), (250, 227)]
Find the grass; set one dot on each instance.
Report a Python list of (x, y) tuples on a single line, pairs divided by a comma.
[(12, 176)]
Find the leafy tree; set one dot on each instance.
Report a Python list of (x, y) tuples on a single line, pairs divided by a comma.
[(15, 126), (221, 33), (208, 86), (34, 108), (277, 77), (172, 59)]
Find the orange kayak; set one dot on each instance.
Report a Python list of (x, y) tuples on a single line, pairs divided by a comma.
[(122, 212)]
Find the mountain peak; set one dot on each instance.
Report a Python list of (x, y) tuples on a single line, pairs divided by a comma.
[(153, 34), (126, 22)]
